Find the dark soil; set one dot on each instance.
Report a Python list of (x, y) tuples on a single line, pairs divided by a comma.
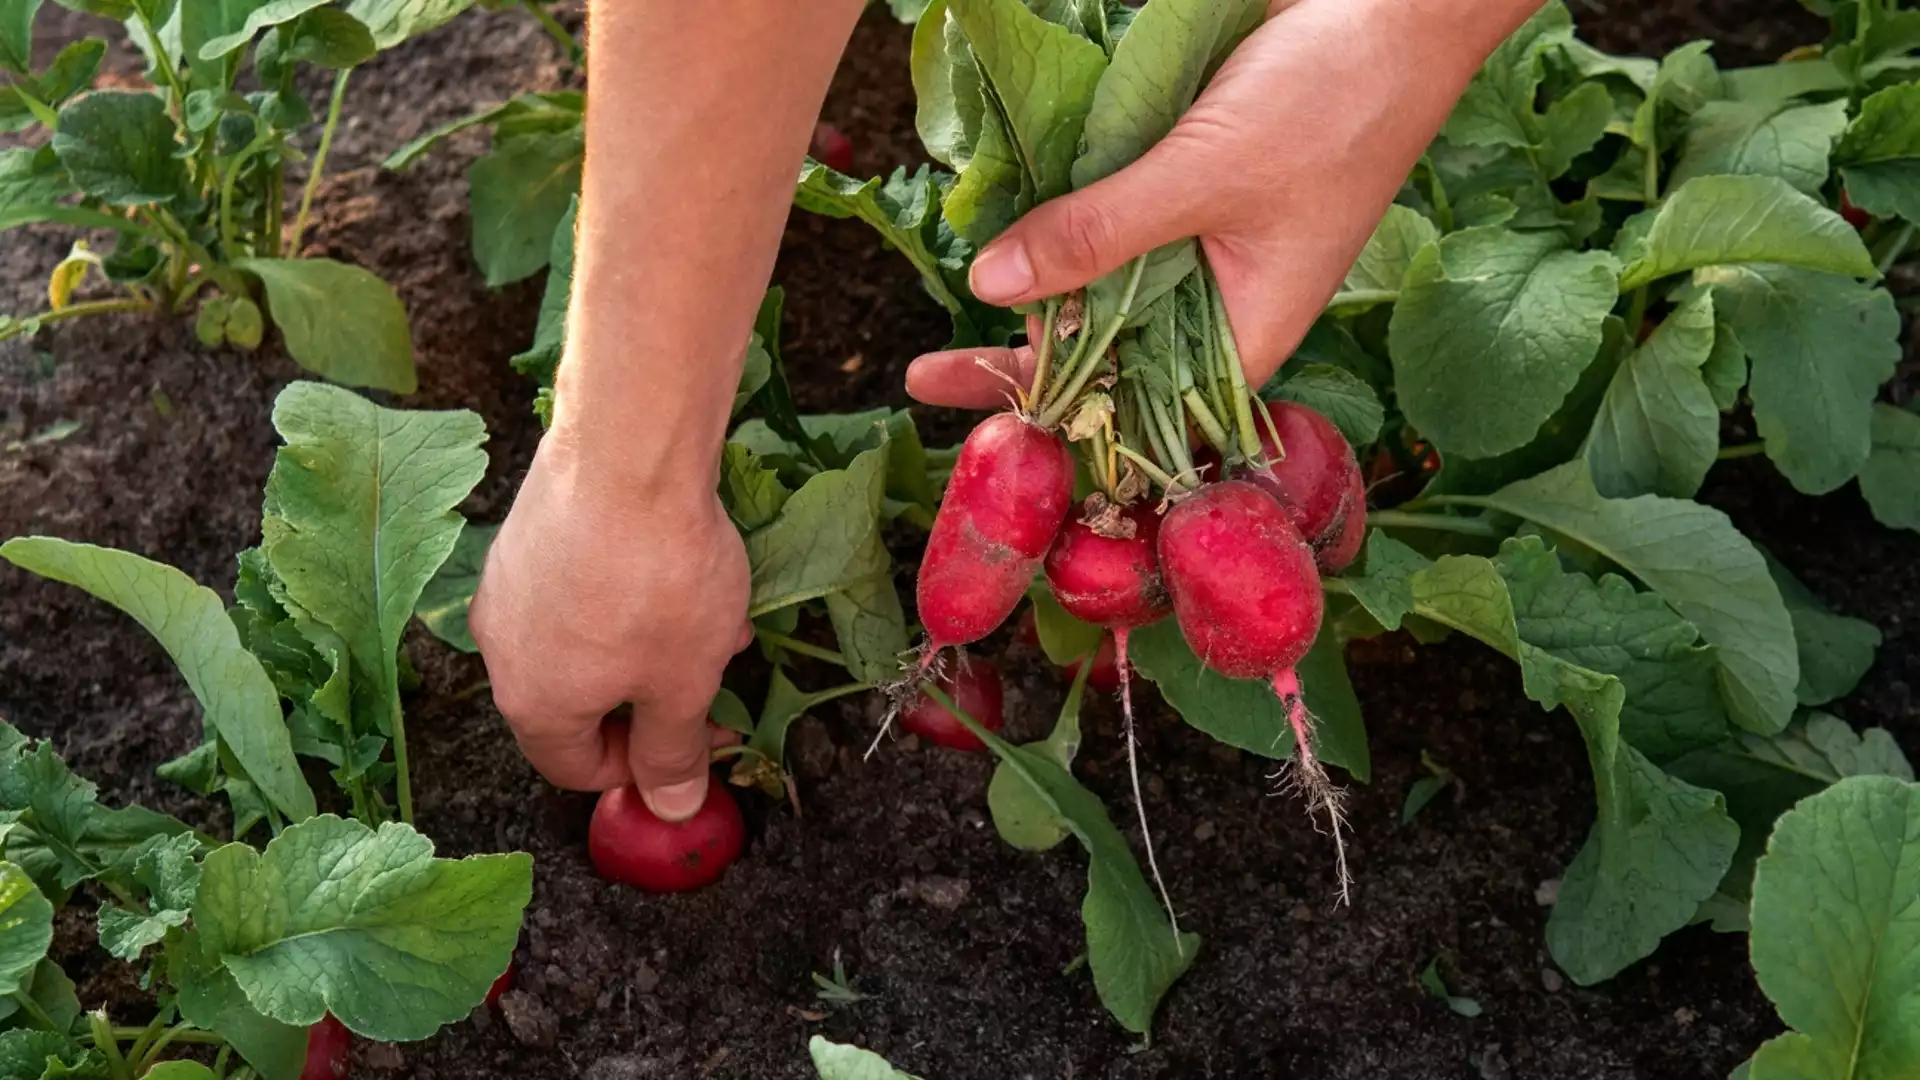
[(960, 942)]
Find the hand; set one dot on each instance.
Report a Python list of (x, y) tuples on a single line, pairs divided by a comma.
[(1282, 168), (593, 597)]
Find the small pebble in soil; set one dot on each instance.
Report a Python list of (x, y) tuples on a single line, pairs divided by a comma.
[(381, 1057), (1552, 981), (1547, 893), (646, 980), (1204, 831), (938, 892), (531, 1022), (1302, 913), (626, 1067), (811, 749)]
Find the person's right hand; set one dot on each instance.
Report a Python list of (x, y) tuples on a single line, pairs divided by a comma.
[(603, 589)]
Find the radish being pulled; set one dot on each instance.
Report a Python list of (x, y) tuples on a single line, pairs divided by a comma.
[(1010, 490), (1313, 472), (329, 1051), (628, 844), (1104, 570), (1248, 599), (974, 685)]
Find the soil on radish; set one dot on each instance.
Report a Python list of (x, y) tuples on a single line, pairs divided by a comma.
[(959, 940)]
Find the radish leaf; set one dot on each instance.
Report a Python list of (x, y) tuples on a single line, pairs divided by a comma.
[(1658, 430), (1835, 651), (825, 539), (520, 192), (836, 1062), (118, 147), (1043, 76), (333, 915), (1880, 154), (1721, 220), (339, 321), (394, 21), (1836, 942), (26, 928), (1890, 479), (444, 602), (1773, 138)]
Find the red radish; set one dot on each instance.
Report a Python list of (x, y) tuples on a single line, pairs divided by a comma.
[(832, 148), (1104, 570), (1009, 492), (974, 685), (1249, 603), (1313, 473), (1855, 216), (628, 844), (329, 1051), (500, 985), (1338, 553)]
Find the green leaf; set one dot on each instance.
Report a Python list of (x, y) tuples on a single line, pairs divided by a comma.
[(1890, 479), (179, 1070), (118, 147), (541, 361), (729, 712), (210, 999), (30, 177), (1244, 713), (26, 928), (1762, 138), (335, 917), (826, 538), (1063, 638), (1498, 106), (1132, 950), (50, 989), (444, 602), (786, 703), (1487, 308), (905, 211), (751, 489), (1820, 346), (836, 1062), (339, 321), (1879, 156), (1721, 220), (258, 18), (360, 516), (1338, 395), (1658, 429), (1572, 126), (327, 37), (520, 192), (1763, 776), (190, 622), (870, 626), (946, 88), (1835, 651), (71, 71), (1698, 562), (1835, 944), (1658, 846), (16, 35), (164, 867), (394, 21), (1044, 77), (1155, 74), (202, 21), (28, 1054), (1380, 270)]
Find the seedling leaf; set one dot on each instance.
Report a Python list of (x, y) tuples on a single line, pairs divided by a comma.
[(339, 321)]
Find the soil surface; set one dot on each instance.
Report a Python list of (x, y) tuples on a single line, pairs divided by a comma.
[(961, 944)]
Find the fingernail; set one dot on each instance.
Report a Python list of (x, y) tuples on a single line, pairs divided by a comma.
[(677, 802), (1002, 272)]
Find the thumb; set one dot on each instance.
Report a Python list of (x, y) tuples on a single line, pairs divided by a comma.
[(1068, 242), (669, 757)]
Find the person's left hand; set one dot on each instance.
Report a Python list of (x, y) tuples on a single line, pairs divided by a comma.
[(1282, 168)]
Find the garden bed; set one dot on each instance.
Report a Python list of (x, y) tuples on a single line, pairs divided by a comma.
[(961, 944)]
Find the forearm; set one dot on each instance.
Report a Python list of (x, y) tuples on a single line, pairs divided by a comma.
[(698, 116)]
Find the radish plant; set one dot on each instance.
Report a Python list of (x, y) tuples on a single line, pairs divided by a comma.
[(250, 944), (191, 175), (1635, 255)]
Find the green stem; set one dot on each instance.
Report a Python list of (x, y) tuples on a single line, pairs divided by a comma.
[(73, 311), (1752, 449), (1066, 394), (162, 62), (1898, 249), (1636, 312), (1179, 459), (33, 1010), (1400, 519), (138, 1052), (1154, 472), (554, 30), (402, 780), (1043, 354), (1336, 586), (276, 210), (794, 645), (228, 245), (1437, 194), (109, 1046), (1237, 375), (1652, 178), (319, 159), (183, 1034), (1208, 423)]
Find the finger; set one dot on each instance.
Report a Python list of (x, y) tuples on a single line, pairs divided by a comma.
[(745, 639), (585, 755), (718, 736), (1068, 242), (1270, 306), (669, 754), (970, 378)]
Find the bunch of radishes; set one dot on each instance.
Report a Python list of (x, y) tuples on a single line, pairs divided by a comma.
[(1232, 538)]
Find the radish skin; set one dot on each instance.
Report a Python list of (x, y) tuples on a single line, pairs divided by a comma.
[(974, 685), (1010, 490), (1314, 474)]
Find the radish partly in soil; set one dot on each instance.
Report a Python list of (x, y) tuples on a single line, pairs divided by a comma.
[(628, 844)]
